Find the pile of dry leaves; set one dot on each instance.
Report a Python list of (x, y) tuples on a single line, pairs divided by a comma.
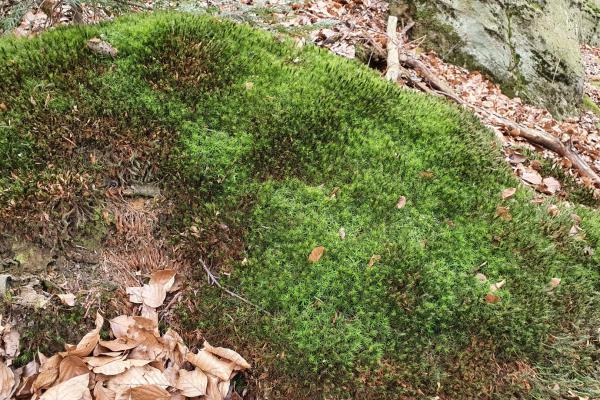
[(136, 363)]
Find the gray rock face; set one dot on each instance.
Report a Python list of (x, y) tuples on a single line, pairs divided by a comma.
[(530, 47)]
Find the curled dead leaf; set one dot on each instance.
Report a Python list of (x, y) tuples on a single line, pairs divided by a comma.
[(7, 381), (210, 364), (88, 342), (374, 258), (503, 213), (497, 286), (316, 254), (531, 176), (554, 282), (401, 202), (67, 299), (508, 193), (491, 298), (228, 354), (550, 185), (553, 210)]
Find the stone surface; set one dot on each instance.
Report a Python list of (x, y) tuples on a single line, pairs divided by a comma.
[(530, 47)]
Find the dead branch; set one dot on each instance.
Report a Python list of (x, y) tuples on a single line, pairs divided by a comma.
[(213, 280), (532, 135), (393, 63)]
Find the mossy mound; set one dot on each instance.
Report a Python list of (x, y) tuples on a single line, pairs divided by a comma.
[(277, 148)]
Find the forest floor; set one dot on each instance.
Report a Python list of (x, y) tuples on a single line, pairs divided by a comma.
[(101, 263)]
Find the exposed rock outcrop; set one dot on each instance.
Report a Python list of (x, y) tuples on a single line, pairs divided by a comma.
[(530, 47)]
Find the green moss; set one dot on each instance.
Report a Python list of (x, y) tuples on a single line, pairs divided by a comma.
[(590, 105), (284, 154)]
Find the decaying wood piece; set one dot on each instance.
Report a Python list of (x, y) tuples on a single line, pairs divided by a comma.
[(534, 136), (393, 62)]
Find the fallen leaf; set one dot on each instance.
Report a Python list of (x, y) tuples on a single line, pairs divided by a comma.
[(88, 342), (48, 373), (576, 219), (574, 230), (137, 376), (508, 193), (227, 354), (153, 295), (498, 285), (554, 282), (73, 389), (550, 185), (147, 392), (119, 325), (531, 176), (553, 210), (67, 299), (491, 298), (71, 367), (480, 277), (165, 277), (11, 339), (401, 202), (7, 381), (192, 383), (342, 233), (503, 213), (374, 258), (316, 254), (210, 364), (119, 366), (135, 294), (102, 393), (120, 344)]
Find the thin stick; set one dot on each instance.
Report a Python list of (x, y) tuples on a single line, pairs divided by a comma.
[(213, 280)]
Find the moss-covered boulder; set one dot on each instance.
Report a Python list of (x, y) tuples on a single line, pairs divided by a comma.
[(266, 151), (530, 47)]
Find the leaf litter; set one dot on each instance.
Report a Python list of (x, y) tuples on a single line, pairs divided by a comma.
[(138, 363)]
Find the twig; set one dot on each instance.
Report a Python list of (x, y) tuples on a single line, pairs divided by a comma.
[(532, 135), (213, 280)]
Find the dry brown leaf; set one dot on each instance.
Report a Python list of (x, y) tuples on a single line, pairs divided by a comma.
[(531, 176), (73, 389), (554, 282), (119, 325), (316, 254), (48, 373), (374, 258), (574, 230), (210, 364), (553, 210), (147, 392), (227, 354), (491, 298), (153, 295), (137, 376), (7, 381), (401, 202), (192, 383), (118, 366), (102, 393), (212, 389), (89, 341), (135, 294), (98, 361), (71, 367), (503, 213), (11, 338), (165, 277), (498, 285), (508, 193), (550, 185), (120, 344), (67, 299)]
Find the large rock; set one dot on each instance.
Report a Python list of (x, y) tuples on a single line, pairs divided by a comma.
[(530, 47), (587, 14)]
